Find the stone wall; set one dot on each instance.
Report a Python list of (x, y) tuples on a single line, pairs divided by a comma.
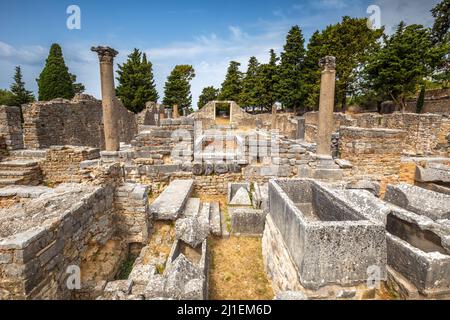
[(374, 153), (72, 122), (34, 260), (11, 127), (132, 220), (62, 163), (436, 101)]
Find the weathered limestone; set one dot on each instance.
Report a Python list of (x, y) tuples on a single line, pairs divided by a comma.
[(326, 105), (329, 241), (170, 204), (273, 124), (175, 114), (434, 172), (106, 56), (247, 221), (418, 200)]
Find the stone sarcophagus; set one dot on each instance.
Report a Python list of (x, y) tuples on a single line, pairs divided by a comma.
[(328, 240)]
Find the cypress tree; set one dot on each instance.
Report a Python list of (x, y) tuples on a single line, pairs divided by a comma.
[(268, 81), (290, 88), (232, 85), (136, 84), (55, 80), (177, 90), (251, 85), (22, 95), (421, 99)]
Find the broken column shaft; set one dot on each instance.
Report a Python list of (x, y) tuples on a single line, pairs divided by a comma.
[(326, 105)]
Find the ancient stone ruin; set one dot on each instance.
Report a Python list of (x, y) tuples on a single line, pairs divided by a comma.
[(99, 203)]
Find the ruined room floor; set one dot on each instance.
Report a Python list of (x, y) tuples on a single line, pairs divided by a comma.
[(237, 271)]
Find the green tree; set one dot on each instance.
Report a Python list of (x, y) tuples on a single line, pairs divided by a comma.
[(289, 86), (251, 85), (400, 66), (7, 98), (312, 71), (232, 85), (268, 81), (22, 95), (421, 99), (440, 36), (136, 84), (177, 90), (208, 94), (55, 80), (352, 43), (441, 26), (77, 87)]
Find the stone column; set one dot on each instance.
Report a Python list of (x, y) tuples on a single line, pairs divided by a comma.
[(326, 105), (274, 117), (175, 113), (106, 56), (162, 115)]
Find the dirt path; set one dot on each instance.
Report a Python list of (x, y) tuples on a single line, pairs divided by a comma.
[(237, 270)]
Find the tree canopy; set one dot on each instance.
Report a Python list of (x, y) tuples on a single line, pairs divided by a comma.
[(136, 84), (251, 84), (208, 94), (55, 81), (177, 90), (232, 86), (21, 95)]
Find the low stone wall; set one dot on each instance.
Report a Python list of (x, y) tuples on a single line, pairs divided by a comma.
[(132, 218), (72, 122), (11, 127), (374, 153), (62, 163), (436, 101), (35, 259)]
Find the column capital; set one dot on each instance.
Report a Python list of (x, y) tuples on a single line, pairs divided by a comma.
[(105, 54), (328, 63)]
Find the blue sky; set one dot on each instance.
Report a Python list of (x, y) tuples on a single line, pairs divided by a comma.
[(206, 34)]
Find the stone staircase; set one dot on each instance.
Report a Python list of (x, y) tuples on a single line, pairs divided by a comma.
[(20, 172)]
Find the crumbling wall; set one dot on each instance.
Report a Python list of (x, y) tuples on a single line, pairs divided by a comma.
[(77, 122), (436, 101), (35, 261), (62, 163), (374, 153), (11, 127)]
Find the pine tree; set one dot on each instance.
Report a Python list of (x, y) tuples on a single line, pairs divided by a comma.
[(208, 94), (251, 85), (177, 90), (22, 95), (398, 68), (290, 87), (352, 43), (441, 26), (268, 81), (232, 85), (136, 85), (55, 80), (77, 87)]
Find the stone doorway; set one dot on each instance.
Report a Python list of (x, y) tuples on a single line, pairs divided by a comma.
[(222, 112)]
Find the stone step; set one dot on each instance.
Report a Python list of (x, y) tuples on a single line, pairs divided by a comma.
[(172, 201), (19, 173), (192, 207), (215, 219), (10, 181), (18, 163)]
